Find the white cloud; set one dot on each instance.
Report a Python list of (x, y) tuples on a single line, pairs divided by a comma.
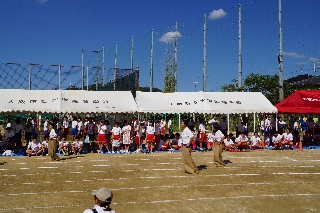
[(170, 37), (314, 59), (293, 55), (216, 14), (42, 1)]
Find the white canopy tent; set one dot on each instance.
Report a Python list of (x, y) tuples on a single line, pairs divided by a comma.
[(204, 102), (66, 101)]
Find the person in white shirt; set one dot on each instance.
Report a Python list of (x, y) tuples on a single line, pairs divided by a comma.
[(8, 124), (64, 146), (44, 146), (52, 147), (202, 134), (170, 127), (126, 138), (28, 131), (276, 141), (281, 125), (80, 127), (108, 136), (187, 137), (213, 121), (102, 201), (150, 138), (163, 126), (218, 147), (46, 128), (102, 139), (228, 143), (77, 146), (74, 128), (34, 147), (65, 125), (176, 142), (255, 141), (287, 139), (242, 141), (210, 141), (116, 133)]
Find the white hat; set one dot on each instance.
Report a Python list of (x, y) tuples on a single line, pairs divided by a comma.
[(102, 194)]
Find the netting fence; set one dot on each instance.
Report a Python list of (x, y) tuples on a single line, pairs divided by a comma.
[(260, 49)]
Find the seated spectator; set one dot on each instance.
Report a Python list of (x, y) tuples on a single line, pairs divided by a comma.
[(64, 146), (44, 146), (77, 146), (9, 134), (287, 139), (276, 140), (102, 201), (242, 141), (161, 145), (34, 147), (228, 143), (176, 142), (255, 141)]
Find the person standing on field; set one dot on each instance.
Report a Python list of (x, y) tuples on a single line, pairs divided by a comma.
[(187, 137), (218, 148)]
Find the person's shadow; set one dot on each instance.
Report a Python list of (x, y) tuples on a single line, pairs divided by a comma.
[(202, 167), (2, 163), (227, 161)]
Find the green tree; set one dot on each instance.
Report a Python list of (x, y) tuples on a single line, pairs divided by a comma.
[(268, 85)]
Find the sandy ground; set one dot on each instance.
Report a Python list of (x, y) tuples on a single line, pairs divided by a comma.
[(257, 181)]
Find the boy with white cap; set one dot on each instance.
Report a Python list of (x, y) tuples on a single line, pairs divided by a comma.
[(102, 201)]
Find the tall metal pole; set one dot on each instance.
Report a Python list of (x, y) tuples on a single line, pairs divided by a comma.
[(82, 70), (281, 95), (131, 54), (204, 53), (151, 66), (59, 71), (314, 69), (29, 76), (176, 57), (115, 67), (87, 78), (102, 66), (240, 52)]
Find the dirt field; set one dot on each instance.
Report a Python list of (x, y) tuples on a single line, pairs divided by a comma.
[(257, 181)]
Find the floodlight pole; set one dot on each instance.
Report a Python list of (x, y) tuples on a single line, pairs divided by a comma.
[(30, 69), (204, 52), (240, 52), (151, 63), (82, 70), (281, 95)]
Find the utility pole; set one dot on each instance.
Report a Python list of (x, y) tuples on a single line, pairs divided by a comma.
[(176, 58), (115, 67), (131, 54), (281, 95), (151, 66), (82, 70), (204, 52), (103, 66), (240, 51)]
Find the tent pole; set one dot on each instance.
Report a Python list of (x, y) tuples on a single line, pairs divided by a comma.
[(276, 122), (228, 120), (254, 122), (179, 122)]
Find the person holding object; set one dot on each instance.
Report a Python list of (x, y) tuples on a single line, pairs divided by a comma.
[(102, 201), (187, 137), (52, 146)]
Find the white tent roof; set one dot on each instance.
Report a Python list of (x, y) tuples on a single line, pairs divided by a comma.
[(39, 101), (53, 101), (204, 102), (81, 101)]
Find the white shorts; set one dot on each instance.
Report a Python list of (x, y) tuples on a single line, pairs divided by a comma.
[(115, 143)]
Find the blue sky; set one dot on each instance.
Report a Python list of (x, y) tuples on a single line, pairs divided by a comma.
[(55, 31)]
